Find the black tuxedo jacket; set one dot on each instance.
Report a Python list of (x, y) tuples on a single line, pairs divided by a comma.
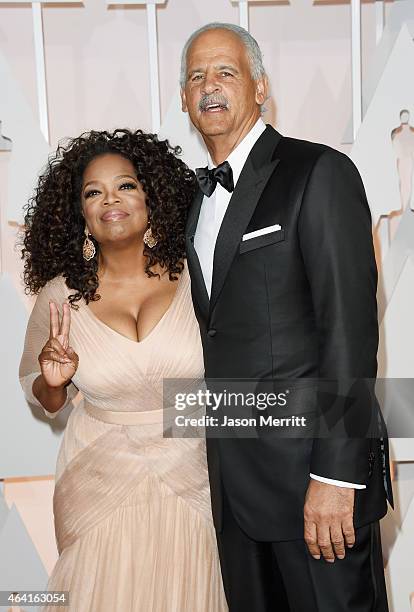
[(296, 304)]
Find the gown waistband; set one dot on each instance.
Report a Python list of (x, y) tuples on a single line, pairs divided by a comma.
[(124, 418)]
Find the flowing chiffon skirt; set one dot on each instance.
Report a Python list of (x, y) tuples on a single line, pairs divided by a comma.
[(133, 522)]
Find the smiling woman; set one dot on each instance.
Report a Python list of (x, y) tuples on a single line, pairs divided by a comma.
[(147, 176), (113, 200), (105, 232)]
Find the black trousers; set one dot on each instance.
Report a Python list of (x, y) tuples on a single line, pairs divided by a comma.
[(284, 577)]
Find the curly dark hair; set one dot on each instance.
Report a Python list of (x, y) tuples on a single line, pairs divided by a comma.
[(54, 224)]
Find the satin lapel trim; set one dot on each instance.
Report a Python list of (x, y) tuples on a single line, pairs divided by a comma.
[(194, 214), (196, 274), (241, 207)]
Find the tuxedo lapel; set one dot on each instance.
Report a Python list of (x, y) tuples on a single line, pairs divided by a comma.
[(256, 172), (197, 279), (193, 214)]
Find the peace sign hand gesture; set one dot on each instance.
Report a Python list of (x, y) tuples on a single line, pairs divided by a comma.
[(58, 361)]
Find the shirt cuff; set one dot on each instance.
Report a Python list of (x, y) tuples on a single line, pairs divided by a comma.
[(338, 483)]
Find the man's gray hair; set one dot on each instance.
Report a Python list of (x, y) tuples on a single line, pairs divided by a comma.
[(252, 48)]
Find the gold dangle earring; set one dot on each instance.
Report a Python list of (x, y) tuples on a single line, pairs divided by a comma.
[(88, 250), (149, 239)]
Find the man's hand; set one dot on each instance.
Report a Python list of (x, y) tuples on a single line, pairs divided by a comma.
[(329, 525)]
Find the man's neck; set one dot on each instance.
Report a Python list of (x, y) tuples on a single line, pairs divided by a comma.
[(221, 145)]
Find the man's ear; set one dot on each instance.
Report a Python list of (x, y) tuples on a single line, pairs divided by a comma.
[(262, 86), (183, 101)]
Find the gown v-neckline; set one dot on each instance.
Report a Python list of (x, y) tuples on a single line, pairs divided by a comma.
[(104, 325)]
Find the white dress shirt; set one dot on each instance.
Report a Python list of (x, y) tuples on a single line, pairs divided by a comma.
[(214, 208), (212, 212)]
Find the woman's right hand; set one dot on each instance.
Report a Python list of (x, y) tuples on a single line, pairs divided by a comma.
[(58, 361)]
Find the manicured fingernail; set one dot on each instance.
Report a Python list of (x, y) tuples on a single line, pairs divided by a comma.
[(340, 556), (330, 560), (350, 545), (317, 557)]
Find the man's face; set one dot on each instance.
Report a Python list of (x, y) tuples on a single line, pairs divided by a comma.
[(220, 94)]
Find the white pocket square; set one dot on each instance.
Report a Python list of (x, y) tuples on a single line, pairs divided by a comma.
[(262, 231)]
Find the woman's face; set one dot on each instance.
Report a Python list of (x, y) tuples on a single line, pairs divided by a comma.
[(113, 201)]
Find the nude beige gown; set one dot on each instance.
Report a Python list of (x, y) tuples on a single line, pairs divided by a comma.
[(132, 508)]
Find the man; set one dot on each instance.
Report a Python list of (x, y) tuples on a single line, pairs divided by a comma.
[(283, 276)]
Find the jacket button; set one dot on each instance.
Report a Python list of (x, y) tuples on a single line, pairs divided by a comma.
[(212, 332)]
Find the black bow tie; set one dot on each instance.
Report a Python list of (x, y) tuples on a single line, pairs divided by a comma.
[(208, 179)]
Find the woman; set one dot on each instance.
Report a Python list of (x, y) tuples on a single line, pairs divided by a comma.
[(104, 251)]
